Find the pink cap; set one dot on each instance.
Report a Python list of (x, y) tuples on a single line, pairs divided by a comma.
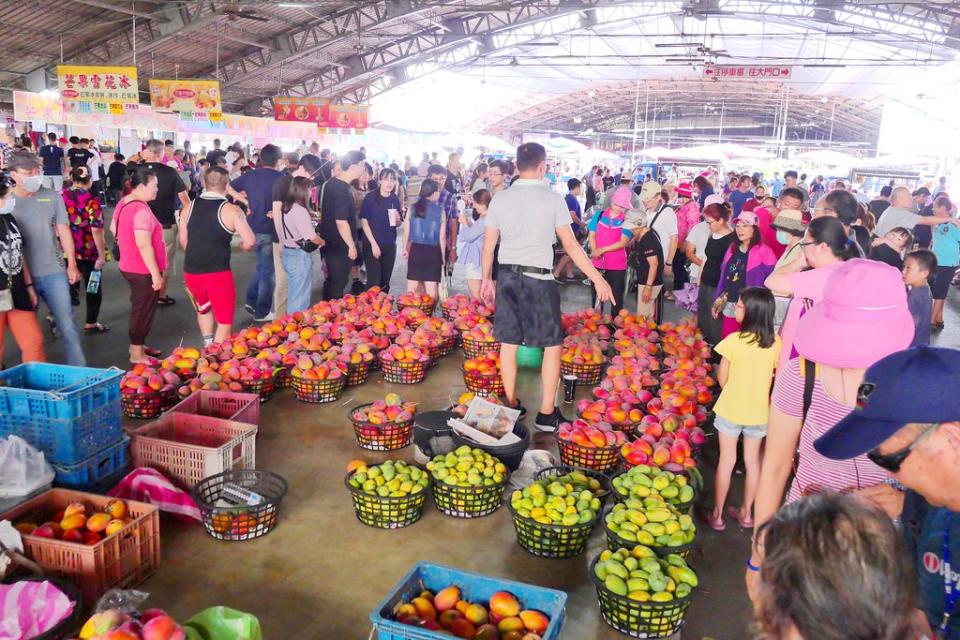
[(685, 190), (713, 198), (622, 198), (746, 217), (862, 318)]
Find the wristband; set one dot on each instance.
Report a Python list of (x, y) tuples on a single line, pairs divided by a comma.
[(752, 567)]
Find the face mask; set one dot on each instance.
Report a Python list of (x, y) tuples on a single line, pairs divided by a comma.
[(31, 183), (8, 204), (783, 237)]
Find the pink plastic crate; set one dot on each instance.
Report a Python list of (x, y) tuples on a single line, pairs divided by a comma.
[(240, 407)]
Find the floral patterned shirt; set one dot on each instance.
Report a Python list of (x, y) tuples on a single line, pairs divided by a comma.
[(85, 215)]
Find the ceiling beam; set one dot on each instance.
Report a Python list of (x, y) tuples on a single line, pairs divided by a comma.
[(110, 6)]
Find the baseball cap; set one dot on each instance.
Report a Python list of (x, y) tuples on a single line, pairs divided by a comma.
[(790, 220), (713, 198), (622, 198), (747, 217), (917, 385), (650, 190)]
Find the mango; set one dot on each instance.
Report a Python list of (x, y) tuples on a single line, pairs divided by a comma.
[(424, 608), (661, 596), (476, 614), (504, 604), (446, 599), (487, 632), (511, 623), (74, 508), (73, 521), (98, 522), (616, 585), (463, 628), (534, 621)]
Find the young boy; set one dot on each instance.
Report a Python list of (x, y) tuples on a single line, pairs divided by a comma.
[(917, 267), (890, 247), (576, 225)]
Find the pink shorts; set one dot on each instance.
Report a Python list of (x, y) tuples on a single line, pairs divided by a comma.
[(213, 291)]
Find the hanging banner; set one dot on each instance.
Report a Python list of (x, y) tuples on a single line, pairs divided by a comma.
[(41, 107), (313, 110), (747, 72), (192, 99), (103, 90), (348, 116), (29, 107)]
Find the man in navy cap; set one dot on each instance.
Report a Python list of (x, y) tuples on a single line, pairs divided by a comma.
[(907, 421)]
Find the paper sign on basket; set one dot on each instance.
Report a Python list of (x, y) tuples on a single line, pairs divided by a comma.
[(487, 423)]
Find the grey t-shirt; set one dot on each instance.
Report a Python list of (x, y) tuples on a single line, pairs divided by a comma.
[(895, 217), (37, 218), (527, 215)]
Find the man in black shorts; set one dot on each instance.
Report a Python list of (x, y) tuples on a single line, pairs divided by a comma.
[(525, 219)]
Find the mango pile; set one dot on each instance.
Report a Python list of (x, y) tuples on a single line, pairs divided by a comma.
[(640, 575), (643, 481), (650, 521), (559, 501), (467, 467), (392, 479)]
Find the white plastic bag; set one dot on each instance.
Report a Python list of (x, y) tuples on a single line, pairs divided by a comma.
[(23, 469), (534, 461)]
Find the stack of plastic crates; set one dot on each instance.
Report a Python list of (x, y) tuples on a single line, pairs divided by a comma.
[(72, 414)]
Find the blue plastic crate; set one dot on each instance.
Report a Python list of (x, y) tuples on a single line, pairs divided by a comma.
[(90, 472), (67, 441), (474, 588), (56, 391)]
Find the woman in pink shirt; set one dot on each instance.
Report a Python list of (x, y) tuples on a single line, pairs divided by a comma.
[(607, 240), (824, 247), (143, 258)]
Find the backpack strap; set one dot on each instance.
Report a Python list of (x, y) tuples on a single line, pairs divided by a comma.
[(809, 370)]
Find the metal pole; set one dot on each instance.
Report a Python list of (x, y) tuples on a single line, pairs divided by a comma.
[(134, 6), (646, 113), (833, 113), (720, 132), (61, 48), (783, 126), (636, 115)]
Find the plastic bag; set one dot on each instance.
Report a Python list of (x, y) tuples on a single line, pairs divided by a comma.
[(533, 462), (23, 469), (31, 608), (126, 600), (223, 623)]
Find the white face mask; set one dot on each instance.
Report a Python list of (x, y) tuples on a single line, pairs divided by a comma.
[(8, 204), (31, 183)]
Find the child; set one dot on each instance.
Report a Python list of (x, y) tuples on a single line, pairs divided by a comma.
[(917, 267), (890, 248), (746, 372), (576, 223)]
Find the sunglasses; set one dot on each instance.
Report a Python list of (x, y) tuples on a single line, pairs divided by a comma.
[(893, 461)]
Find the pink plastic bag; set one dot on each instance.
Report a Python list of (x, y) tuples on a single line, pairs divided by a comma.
[(151, 486), (687, 297), (31, 608)]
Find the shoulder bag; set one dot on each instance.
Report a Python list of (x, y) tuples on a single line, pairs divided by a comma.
[(305, 244), (115, 249)]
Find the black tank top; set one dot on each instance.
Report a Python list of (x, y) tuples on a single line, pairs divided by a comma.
[(208, 242)]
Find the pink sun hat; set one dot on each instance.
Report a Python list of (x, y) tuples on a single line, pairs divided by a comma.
[(622, 198), (862, 318)]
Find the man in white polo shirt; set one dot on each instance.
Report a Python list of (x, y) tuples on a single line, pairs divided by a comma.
[(525, 219)]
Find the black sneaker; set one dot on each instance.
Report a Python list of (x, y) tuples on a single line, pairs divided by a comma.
[(549, 421), (522, 409)]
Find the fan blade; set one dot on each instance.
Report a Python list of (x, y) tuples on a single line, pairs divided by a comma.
[(249, 15)]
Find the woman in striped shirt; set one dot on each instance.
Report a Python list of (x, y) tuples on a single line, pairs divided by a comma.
[(862, 317)]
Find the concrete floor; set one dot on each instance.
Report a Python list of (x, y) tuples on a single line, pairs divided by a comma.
[(320, 573)]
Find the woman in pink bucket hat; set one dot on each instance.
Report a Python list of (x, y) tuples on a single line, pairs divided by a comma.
[(607, 241), (862, 318)]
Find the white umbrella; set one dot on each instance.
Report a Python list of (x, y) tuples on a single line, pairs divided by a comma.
[(828, 157)]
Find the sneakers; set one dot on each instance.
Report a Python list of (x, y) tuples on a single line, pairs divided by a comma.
[(549, 421), (248, 309), (267, 318), (522, 409)]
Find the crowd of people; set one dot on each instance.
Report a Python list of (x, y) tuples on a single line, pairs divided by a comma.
[(818, 302)]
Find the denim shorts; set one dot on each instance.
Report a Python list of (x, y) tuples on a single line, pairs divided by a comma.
[(734, 430)]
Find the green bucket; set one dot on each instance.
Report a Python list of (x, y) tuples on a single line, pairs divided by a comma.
[(530, 357)]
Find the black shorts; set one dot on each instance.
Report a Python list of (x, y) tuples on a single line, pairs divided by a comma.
[(527, 311), (941, 282)]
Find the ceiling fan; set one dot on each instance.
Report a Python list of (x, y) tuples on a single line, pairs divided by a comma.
[(233, 10)]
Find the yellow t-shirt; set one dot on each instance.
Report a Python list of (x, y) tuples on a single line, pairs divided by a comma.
[(745, 400)]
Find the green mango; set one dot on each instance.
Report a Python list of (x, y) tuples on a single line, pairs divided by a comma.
[(670, 492), (676, 540), (657, 581), (628, 535), (645, 538), (661, 596), (650, 565), (687, 576), (616, 585), (637, 584), (683, 590), (686, 494), (617, 569), (639, 573), (654, 528), (631, 564), (676, 560), (600, 570)]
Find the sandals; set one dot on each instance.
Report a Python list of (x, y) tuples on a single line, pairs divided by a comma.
[(937, 326), (734, 513), (153, 353), (166, 301), (716, 524), (96, 328)]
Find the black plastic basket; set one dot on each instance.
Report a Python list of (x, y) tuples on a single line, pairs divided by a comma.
[(475, 348), (552, 540), (509, 454), (240, 522), (482, 385), (404, 372), (562, 470), (387, 512), (319, 391), (146, 406), (681, 507), (587, 374), (648, 620), (263, 387), (468, 502), (358, 373), (602, 459), (283, 379), (448, 345), (381, 437)]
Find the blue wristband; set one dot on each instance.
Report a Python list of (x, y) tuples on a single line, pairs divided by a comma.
[(752, 567)]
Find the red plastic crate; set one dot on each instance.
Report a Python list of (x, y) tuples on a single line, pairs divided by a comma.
[(120, 561), (188, 448)]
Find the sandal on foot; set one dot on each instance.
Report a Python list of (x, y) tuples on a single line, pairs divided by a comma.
[(166, 301), (96, 328), (716, 524), (52, 325), (734, 513), (153, 353)]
